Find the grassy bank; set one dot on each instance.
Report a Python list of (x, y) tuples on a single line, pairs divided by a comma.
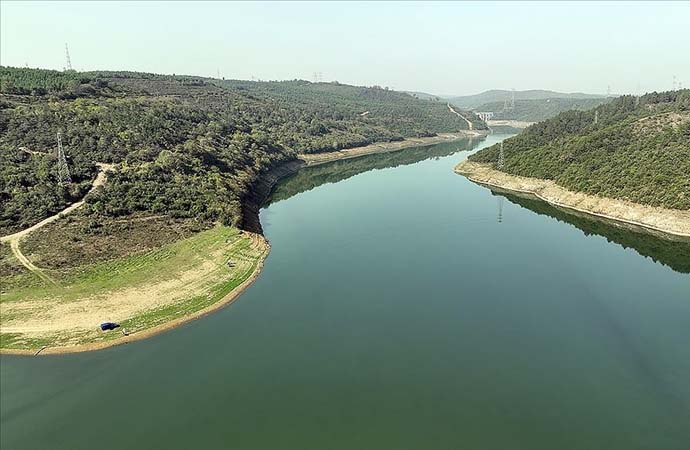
[(145, 292)]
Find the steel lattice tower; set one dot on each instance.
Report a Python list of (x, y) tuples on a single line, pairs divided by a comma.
[(64, 177), (501, 158), (68, 61)]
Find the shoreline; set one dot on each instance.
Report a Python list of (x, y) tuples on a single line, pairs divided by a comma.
[(229, 298), (263, 187), (251, 208), (313, 159), (665, 223)]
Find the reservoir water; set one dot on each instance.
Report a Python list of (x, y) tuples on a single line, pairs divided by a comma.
[(401, 307)]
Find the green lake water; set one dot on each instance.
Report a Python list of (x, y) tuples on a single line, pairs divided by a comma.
[(401, 307)]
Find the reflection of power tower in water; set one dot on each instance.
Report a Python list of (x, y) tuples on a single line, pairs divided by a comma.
[(501, 163), (64, 177)]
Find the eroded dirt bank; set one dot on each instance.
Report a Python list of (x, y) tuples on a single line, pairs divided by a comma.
[(659, 220)]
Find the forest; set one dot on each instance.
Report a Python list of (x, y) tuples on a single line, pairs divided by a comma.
[(536, 110), (633, 148), (184, 146)]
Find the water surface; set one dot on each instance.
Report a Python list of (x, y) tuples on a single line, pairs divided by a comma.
[(396, 311)]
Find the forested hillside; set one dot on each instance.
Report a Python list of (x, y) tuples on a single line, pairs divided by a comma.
[(536, 110), (633, 148), (182, 146), (502, 95)]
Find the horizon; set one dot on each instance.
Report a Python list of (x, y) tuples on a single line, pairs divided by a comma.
[(327, 41)]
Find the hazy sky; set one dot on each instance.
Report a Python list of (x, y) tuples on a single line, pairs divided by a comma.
[(443, 48)]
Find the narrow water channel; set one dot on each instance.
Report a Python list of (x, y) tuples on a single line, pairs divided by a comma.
[(402, 307)]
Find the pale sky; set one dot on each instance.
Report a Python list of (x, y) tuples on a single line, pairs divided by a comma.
[(441, 48)]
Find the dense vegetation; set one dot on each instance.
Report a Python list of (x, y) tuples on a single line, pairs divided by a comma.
[(183, 146), (536, 110), (502, 95), (637, 149)]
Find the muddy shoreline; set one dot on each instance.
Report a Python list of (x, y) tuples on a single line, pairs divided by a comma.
[(664, 223), (149, 332)]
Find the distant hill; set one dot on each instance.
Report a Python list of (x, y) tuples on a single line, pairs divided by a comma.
[(541, 109), (501, 95), (425, 96), (632, 148)]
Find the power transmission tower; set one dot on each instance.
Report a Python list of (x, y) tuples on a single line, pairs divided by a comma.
[(596, 117), (512, 99), (608, 90), (68, 67), (673, 85), (501, 158), (64, 177)]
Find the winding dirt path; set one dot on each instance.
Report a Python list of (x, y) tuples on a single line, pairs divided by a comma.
[(469, 124), (15, 238)]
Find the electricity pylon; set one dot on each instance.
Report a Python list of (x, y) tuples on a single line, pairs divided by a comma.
[(68, 61)]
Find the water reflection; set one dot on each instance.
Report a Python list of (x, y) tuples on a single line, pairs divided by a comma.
[(669, 251), (309, 178), (673, 253)]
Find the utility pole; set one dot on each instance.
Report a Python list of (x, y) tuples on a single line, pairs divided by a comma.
[(68, 67), (64, 177)]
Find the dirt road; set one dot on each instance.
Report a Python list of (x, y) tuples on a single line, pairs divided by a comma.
[(14, 239)]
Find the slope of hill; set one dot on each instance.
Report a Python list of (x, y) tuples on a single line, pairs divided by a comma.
[(633, 149), (183, 146), (536, 110), (501, 95), (425, 96)]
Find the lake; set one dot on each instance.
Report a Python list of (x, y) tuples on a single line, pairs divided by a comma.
[(401, 307)]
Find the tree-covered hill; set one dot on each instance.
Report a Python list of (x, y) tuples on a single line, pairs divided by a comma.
[(633, 148), (183, 146), (502, 95), (536, 110)]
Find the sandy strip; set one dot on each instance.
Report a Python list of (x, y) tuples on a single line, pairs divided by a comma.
[(144, 334), (320, 158), (665, 221), (520, 124)]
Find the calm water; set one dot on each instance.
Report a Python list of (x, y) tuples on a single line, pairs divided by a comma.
[(396, 312)]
